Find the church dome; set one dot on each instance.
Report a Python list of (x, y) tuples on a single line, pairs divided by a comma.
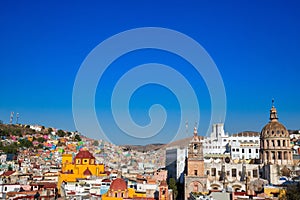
[(118, 184), (274, 129)]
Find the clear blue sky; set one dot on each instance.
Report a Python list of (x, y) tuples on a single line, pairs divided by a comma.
[(255, 45)]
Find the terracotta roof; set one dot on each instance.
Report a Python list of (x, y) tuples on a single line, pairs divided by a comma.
[(87, 172), (84, 154), (49, 185), (118, 184), (8, 173), (106, 180)]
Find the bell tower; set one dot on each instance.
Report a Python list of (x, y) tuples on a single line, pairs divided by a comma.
[(195, 179), (195, 162)]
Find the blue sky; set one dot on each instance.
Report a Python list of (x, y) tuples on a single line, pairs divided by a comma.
[(254, 44)]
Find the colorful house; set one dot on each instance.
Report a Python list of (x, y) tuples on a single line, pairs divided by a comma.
[(82, 166)]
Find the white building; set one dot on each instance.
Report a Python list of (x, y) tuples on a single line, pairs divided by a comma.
[(175, 162), (238, 146), (6, 187), (244, 145), (216, 143)]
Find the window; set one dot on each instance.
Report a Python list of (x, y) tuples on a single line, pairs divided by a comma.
[(207, 172), (228, 173), (278, 143), (249, 150), (249, 173), (273, 155), (279, 155), (219, 173), (5, 188), (256, 150), (233, 150), (195, 172), (254, 172), (233, 172), (243, 150), (195, 146), (116, 194), (213, 171), (237, 150)]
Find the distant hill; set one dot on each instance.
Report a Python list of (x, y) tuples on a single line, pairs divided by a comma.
[(152, 147), (141, 148)]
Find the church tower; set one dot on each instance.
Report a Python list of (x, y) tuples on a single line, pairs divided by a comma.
[(195, 179), (195, 162)]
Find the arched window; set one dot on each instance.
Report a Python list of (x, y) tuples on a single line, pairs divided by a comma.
[(279, 155)]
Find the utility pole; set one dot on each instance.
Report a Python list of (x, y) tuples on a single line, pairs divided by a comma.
[(17, 116), (11, 117)]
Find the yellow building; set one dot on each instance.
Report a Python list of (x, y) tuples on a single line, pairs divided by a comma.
[(271, 191), (118, 190), (82, 166)]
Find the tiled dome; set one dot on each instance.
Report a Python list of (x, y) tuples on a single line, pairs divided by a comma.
[(274, 130), (118, 184)]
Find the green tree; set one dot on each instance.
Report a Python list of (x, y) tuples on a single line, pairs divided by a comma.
[(61, 133), (25, 143), (50, 130), (9, 149), (173, 186), (41, 140), (292, 192), (77, 137), (96, 143), (40, 146)]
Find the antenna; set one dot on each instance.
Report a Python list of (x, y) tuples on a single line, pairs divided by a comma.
[(11, 117), (17, 116), (187, 127)]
